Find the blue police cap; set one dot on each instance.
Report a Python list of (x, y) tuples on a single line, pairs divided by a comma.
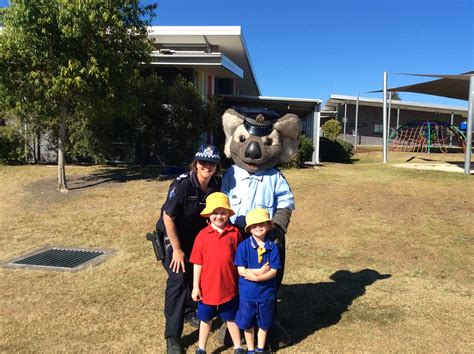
[(258, 121), (207, 153)]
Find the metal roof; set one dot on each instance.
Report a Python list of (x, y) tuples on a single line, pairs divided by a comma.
[(215, 63), (226, 41), (335, 100), (282, 105)]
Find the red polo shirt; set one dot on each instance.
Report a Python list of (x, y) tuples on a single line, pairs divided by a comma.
[(215, 252)]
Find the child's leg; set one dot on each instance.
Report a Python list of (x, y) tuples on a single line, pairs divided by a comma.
[(250, 338), (234, 331), (261, 338), (204, 330)]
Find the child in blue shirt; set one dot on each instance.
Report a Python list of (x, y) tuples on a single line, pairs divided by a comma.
[(257, 260)]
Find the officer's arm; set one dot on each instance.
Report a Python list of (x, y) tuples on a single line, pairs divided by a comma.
[(177, 261)]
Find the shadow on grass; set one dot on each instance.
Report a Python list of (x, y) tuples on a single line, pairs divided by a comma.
[(306, 308), (124, 174)]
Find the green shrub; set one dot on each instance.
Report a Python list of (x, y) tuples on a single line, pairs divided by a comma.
[(335, 150), (331, 129), (304, 153), (11, 145), (348, 147)]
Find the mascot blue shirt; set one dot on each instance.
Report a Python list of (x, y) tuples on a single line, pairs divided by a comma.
[(266, 189)]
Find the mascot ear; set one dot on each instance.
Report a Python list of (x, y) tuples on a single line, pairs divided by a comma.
[(230, 121), (289, 128)]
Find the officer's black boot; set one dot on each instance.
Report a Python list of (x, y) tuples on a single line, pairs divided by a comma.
[(192, 319), (173, 346)]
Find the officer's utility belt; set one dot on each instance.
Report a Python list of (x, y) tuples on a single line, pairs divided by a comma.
[(160, 243)]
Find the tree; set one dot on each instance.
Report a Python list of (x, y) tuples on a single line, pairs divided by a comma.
[(66, 61), (395, 96), (331, 129)]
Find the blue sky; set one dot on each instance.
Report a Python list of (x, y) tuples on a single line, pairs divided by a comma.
[(315, 48)]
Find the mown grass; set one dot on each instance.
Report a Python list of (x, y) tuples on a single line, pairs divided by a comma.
[(379, 259)]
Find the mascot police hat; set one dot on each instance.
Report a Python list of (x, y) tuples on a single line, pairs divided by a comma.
[(258, 121)]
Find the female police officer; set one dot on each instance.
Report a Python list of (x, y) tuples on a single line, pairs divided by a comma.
[(180, 222)]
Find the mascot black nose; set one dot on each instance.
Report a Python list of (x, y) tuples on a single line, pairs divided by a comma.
[(253, 150)]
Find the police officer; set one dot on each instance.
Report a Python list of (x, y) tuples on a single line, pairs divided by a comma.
[(180, 222)]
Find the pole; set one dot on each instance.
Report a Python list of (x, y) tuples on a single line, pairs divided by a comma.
[(429, 137), (470, 112), (389, 112), (356, 122), (316, 133), (345, 119), (398, 117), (450, 132), (384, 125)]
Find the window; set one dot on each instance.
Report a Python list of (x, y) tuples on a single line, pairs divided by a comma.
[(224, 86), (378, 128)]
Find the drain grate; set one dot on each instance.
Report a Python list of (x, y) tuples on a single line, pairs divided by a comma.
[(58, 258)]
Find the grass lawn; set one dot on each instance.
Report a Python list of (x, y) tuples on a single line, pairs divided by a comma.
[(378, 259)]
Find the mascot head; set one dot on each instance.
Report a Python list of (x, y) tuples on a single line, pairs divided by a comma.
[(258, 139)]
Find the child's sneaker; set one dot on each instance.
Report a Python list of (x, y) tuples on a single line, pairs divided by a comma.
[(239, 351), (200, 351)]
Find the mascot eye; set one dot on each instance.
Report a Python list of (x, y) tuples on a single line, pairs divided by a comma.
[(268, 141), (242, 138)]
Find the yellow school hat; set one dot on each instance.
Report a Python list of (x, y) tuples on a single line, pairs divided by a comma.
[(256, 216), (214, 201)]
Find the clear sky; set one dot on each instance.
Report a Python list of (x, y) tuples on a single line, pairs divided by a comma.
[(315, 48)]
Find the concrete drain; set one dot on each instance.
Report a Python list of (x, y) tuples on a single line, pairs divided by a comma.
[(60, 258)]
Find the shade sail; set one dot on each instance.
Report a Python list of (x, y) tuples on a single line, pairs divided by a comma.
[(451, 86)]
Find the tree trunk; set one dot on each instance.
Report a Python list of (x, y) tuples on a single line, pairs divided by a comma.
[(62, 184), (38, 145)]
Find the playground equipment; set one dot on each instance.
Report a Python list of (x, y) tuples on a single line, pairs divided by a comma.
[(426, 136)]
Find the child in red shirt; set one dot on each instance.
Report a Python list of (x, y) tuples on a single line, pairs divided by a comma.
[(215, 276)]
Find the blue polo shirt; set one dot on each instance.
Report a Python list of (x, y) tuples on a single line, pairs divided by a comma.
[(246, 256)]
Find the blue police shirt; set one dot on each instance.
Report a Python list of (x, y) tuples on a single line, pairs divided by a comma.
[(246, 256), (266, 189)]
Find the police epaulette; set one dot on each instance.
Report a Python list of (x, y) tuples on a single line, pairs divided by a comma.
[(182, 176)]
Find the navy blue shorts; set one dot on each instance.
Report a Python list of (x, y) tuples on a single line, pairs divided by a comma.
[(225, 311), (253, 314)]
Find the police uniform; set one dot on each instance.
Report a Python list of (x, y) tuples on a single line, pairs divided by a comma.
[(266, 189), (184, 203)]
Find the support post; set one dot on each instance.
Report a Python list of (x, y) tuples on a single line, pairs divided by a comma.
[(470, 112), (389, 113), (384, 123), (316, 133), (450, 132), (398, 117), (356, 123), (345, 120)]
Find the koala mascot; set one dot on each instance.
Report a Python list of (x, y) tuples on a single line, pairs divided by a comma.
[(257, 140)]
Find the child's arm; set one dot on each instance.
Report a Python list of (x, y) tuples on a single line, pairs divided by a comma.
[(242, 271), (196, 293), (262, 277), (258, 271)]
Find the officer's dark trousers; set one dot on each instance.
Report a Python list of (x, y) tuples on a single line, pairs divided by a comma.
[(178, 301)]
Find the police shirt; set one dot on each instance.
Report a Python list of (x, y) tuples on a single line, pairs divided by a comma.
[(266, 189), (184, 203)]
